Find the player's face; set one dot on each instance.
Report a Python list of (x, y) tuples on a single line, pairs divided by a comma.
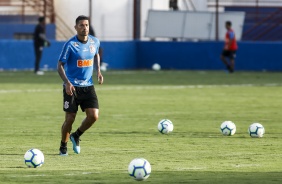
[(82, 28)]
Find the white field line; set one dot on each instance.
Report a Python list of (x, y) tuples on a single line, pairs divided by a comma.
[(27, 91), (141, 87)]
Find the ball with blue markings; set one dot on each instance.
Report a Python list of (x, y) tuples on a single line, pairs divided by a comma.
[(165, 126), (228, 128), (256, 130), (34, 158), (139, 169)]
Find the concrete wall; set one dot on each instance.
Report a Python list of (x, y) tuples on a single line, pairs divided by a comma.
[(113, 19)]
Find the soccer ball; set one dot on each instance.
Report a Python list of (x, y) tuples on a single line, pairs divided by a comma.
[(165, 126), (139, 169), (34, 158), (228, 128), (156, 67), (256, 130)]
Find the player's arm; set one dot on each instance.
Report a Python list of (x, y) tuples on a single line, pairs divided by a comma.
[(97, 67), (69, 87), (43, 37)]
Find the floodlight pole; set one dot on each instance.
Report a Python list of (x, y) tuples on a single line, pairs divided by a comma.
[(136, 19), (90, 11), (216, 20)]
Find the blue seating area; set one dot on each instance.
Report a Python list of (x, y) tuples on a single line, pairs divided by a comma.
[(18, 19), (12, 25), (261, 23)]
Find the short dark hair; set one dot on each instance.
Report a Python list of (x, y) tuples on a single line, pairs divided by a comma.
[(228, 23), (81, 17), (41, 19)]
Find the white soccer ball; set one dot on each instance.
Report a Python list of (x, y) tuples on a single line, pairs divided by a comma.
[(165, 126), (34, 158), (228, 128), (156, 67), (139, 169), (256, 130)]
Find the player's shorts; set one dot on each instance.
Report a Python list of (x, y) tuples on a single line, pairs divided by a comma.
[(85, 97), (231, 54)]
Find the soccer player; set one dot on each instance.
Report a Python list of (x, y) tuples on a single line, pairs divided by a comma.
[(39, 41), (102, 63), (75, 67), (230, 48)]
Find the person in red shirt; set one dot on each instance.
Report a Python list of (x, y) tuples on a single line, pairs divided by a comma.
[(230, 48)]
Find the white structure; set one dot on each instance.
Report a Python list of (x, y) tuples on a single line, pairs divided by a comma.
[(182, 24), (113, 19)]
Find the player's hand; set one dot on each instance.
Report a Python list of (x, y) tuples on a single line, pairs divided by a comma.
[(47, 44), (100, 78), (69, 89)]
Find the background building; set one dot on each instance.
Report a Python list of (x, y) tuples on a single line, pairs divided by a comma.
[(122, 27)]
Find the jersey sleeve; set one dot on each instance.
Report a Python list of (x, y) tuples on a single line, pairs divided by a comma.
[(65, 53), (231, 35)]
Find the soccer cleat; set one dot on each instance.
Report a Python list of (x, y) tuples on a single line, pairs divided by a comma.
[(63, 151), (231, 70), (228, 67), (75, 142), (39, 73)]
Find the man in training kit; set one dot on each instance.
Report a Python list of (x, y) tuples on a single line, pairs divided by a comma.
[(230, 48), (75, 67), (39, 41)]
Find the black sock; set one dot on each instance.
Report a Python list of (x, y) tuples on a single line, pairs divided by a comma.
[(78, 133), (64, 144)]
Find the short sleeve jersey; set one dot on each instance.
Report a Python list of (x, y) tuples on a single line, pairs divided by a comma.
[(78, 59), (230, 36)]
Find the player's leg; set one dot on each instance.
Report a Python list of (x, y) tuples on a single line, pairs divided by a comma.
[(65, 131), (232, 61), (38, 54), (103, 65), (223, 58), (92, 116), (232, 65), (225, 54), (90, 106), (70, 108)]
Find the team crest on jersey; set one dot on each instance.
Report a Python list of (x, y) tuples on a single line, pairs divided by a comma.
[(92, 48)]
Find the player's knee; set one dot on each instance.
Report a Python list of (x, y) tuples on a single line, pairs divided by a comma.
[(93, 117), (70, 117)]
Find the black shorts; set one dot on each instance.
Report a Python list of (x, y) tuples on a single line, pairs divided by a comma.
[(231, 54), (85, 97)]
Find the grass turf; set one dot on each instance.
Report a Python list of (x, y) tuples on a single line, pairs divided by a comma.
[(131, 105)]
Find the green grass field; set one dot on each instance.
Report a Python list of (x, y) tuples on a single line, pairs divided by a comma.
[(131, 105)]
